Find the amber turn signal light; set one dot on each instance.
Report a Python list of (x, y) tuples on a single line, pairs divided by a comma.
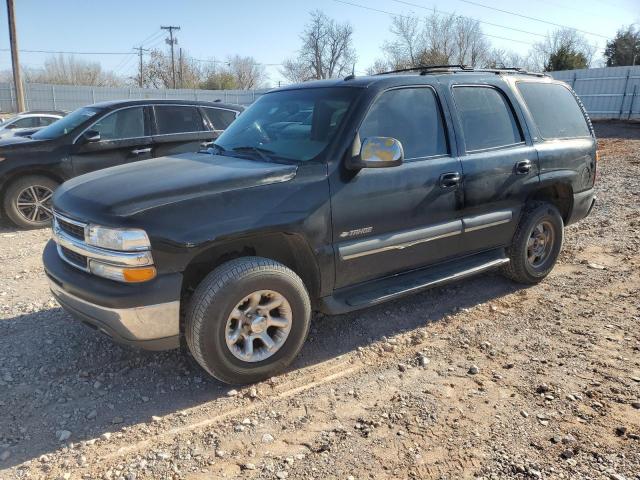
[(134, 275)]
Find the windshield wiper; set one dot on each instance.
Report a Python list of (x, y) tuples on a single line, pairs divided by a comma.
[(262, 152)]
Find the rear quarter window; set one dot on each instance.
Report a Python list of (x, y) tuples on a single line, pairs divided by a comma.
[(555, 110)]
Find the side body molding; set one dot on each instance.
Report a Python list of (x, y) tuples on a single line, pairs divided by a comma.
[(408, 238)]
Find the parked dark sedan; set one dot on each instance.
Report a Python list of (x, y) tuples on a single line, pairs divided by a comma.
[(100, 136)]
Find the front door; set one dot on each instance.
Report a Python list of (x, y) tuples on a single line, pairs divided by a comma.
[(179, 129), (499, 163), (124, 138), (389, 220)]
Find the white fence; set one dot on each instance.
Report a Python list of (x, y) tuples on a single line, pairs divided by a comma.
[(69, 97), (611, 92)]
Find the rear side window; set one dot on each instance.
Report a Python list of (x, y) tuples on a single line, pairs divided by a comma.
[(411, 115), (487, 118), (219, 118), (555, 110), (26, 122), (44, 121), (178, 119)]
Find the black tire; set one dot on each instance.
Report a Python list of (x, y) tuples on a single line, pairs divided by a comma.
[(20, 217), (520, 268), (215, 298)]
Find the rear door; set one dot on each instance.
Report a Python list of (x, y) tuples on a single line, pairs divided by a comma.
[(124, 138), (179, 129), (499, 163)]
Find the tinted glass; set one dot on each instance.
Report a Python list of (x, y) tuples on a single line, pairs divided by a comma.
[(26, 122), (411, 115), (175, 119), (44, 121), (126, 123), (290, 124), (555, 110), (487, 118), (220, 119), (66, 124)]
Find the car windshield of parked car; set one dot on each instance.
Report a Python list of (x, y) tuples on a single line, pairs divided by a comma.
[(65, 124), (289, 125)]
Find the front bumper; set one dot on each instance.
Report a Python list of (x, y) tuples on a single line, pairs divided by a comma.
[(583, 203), (143, 315)]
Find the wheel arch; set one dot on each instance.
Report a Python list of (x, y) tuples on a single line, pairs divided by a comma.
[(558, 194), (292, 250), (12, 176)]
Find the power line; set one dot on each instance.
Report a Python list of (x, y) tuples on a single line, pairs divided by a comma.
[(465, 16), (70, 52), (482, 5), (406, 16)]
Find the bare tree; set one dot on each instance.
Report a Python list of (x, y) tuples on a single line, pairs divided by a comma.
[(564, 48), (157, 71), (435, 40), (327, 50), (246, 72), (68, 70)]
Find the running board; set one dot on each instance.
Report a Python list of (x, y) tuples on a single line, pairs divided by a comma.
[(399, 285)]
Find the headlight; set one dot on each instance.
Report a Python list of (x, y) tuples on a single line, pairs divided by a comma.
[(125, 240)]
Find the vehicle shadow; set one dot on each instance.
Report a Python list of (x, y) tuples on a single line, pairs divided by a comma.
[(56, 375)]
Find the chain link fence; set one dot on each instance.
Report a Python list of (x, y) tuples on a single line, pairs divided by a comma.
[(69, 97)]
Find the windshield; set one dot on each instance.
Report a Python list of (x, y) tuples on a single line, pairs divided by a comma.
[(65, 124), (291, 125)]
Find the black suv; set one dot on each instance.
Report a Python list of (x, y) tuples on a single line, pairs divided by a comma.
[(100, 136), (333, 196)]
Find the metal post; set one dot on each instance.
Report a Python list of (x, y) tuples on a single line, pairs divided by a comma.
[(624, 92), (93, 95), (573, 83), (633, 97), (53, 96), (11, 94)]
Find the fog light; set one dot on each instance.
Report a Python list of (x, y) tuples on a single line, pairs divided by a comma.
[(122, 274)]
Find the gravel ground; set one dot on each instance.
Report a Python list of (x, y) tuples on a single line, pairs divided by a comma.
[(482, 379)]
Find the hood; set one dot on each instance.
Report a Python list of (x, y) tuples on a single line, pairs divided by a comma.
[(16, 140), (129, 189)]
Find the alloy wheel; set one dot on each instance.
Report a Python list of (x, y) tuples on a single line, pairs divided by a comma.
[(34, 203), (540, 243)]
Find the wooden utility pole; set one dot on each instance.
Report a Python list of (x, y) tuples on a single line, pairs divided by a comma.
[(15, 61), (172, 41), (140, 50)]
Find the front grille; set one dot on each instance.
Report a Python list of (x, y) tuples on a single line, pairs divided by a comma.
[(73, 257), (76, 231)]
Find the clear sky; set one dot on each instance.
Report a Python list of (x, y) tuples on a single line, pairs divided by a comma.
[(269, 31)]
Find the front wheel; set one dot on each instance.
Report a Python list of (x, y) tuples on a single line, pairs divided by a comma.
[(27, 201), (247, 320), (536, 244)]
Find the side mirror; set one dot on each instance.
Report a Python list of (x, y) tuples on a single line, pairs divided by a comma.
[(91, 136), (376, 152)]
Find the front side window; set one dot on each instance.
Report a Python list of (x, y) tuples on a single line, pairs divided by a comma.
[(66, 124), (219, 118), (290, 124), (487, 118), (177, 119), (410, 115), (26, 122), (122, 124), (555, 110)]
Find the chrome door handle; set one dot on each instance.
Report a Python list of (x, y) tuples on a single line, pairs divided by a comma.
[(140, 151), (523, 167)]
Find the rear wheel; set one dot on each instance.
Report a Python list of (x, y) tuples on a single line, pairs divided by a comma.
[(27, 201), (247, 320), (536, 244)]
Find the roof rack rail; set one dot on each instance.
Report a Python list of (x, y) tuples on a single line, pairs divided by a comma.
[(426, 69)]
